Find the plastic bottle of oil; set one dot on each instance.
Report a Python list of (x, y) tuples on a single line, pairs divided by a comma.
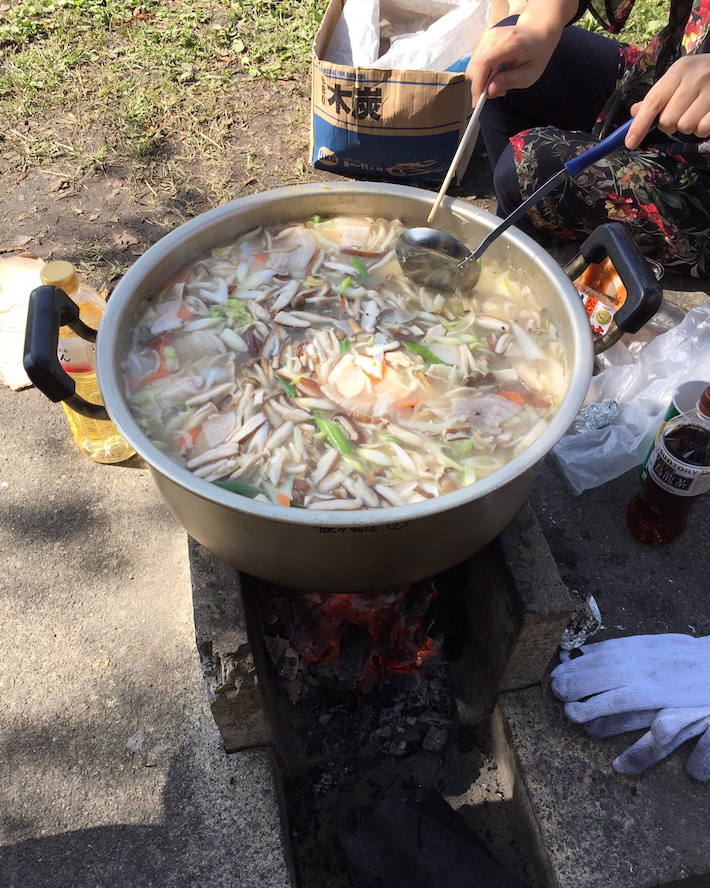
[(98, 439)]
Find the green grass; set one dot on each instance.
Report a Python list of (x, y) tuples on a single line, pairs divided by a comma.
[(146, 71), (646, 19)]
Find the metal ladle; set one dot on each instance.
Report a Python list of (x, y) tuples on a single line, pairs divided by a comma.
[(433, 258)]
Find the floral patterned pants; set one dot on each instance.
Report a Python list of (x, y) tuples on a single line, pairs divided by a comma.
[(656, 190)]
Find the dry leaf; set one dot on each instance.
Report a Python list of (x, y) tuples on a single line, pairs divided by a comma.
[(124, 240), (58, 185)]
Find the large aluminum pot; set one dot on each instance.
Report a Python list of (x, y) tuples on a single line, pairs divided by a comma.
[(347, 551)]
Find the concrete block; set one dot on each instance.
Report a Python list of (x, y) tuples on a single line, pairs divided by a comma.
[(227, 656), (586, 825), (518, 606)]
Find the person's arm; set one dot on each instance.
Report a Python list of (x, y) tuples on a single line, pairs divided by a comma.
[(680, 100), (523, 49)]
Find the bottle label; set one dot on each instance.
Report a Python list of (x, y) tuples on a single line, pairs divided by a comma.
[(76, 355), (677, 477)]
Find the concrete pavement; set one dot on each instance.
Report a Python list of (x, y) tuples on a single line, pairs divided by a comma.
[(112, 771)]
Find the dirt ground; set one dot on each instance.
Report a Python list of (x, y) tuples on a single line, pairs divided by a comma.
[(103, 217)]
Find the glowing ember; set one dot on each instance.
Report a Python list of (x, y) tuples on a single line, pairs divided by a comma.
[(353, 640)]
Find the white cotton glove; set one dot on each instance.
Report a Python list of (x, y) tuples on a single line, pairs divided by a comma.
[(633, 674), (656, 681), (669, 729)]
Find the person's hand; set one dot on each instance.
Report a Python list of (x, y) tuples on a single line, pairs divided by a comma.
[(680, 100), (518, 54)]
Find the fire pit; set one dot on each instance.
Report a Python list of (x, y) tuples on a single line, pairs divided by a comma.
[(384, 696)]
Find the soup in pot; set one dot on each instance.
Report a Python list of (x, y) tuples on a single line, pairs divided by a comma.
[(298, 365)]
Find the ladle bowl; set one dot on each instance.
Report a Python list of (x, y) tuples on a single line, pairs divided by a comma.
[(436, 259), (432, 258)]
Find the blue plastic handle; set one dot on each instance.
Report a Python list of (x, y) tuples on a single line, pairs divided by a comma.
[(616, 140)]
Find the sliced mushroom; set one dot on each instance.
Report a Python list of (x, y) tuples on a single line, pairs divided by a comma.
[(501, 346), (334, 505), (285, 295), (279, 435), (293, 413), (200, 416), (289, 320), (249, 427), (325, 464), (390, 495), (330, 482), (224, 450), (248, 467), (495, 325), (357, 487)]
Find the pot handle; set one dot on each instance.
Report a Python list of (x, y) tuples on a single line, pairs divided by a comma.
[(49, 309), (643, 292)]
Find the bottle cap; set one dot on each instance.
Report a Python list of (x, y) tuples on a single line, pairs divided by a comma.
[(704, 403), (60, 274)]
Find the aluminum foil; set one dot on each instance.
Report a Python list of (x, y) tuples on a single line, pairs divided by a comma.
[(595, 416), (586, 621)]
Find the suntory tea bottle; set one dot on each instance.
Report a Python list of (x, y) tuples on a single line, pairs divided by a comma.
[(97, 438), (677, 473)]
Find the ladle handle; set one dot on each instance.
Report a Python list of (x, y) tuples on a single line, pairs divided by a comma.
[(518, 213), (613, 141), (572, 168)]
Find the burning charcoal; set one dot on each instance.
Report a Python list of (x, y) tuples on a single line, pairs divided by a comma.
[(434, 718), (268, 591), (339, 607), (384, 732), (371, 601), (269, 613), (351, 666), (397, 747), (435, 739), (446, 611), (416, 603), (311, 634), (398, 684), (283, 656)]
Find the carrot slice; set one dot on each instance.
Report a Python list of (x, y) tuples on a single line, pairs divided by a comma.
[(411, 402), (188, 438), (283, 500), (512, 396)]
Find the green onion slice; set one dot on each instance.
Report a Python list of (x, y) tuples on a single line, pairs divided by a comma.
[(418, 349), (287, 386), (334, 435)]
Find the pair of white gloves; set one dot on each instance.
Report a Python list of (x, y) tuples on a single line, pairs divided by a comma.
[(660, 682)]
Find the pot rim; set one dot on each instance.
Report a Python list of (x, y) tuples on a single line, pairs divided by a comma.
[(112, 389)]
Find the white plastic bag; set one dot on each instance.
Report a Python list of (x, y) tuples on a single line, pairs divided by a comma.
[(414, 35), (443, 42), (356, 38), (641, 381)]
